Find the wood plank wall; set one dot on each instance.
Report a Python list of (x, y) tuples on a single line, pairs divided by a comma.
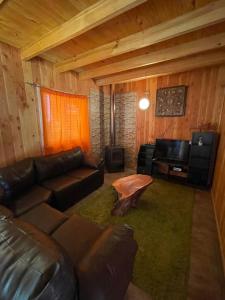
[(205, 105), (19, 135), (218, 190), (19, 120), (19, 117), (41, 72)]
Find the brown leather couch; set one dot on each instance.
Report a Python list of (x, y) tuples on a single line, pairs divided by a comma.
[(45, 254), (61, 180)]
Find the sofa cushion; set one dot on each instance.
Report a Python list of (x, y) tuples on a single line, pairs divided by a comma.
[(44, 217), (72, 159), (32, 265), (49, 166), (82, 173), (5, 212), (31, 198), (77, 235), (65, 190), (90, 180), (17, 178), (91, 161)]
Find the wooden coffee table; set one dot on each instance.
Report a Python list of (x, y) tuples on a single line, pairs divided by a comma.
[(128, 190)]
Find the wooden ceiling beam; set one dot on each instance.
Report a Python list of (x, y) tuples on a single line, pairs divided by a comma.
[(89, 18), (185, 49), (166, 68), (207, 15)]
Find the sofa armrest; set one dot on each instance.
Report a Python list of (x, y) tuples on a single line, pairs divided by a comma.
[(106, 270), (93, 163), (5, 213)]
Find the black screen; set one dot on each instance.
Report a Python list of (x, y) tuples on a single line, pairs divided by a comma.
[(172, 150)]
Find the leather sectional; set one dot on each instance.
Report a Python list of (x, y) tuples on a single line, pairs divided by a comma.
[(45, 254), (61, 180), (63, 258)]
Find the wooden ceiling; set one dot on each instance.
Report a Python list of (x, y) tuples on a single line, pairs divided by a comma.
[(25, 21), (98, 38)]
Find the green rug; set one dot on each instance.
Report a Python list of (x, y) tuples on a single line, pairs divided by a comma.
[(162, 225)]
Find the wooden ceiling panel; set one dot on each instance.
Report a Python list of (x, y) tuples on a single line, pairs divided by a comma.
[(90, 18), (208, 58), (24, 21), (146, 15), (192, 36), (194, 47)]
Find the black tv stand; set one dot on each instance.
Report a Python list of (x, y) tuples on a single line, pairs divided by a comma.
[(177, 170), (193, 165)]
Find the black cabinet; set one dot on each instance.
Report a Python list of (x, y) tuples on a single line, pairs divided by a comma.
[(196, 171), (170, 170), (145, 156), (202, 158)]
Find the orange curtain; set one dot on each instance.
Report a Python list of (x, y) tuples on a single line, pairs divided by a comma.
[(65, 121)]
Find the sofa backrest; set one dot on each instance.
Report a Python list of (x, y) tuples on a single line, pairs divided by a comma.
[(50, 166), (17, 178), (72, 159), (32, 265)]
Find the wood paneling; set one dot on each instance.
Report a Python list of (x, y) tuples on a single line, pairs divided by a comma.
[(183, 50), (184, 64), (42, 73), (88, 19), (19, 134), (149, 14), (218, 190), (201, 18), (19, 117), (24, 21), (205, 106)]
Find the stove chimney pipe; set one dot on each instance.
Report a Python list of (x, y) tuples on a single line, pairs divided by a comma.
[(112, 115)]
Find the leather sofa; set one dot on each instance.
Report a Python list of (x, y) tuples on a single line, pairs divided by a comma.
[(61, 179), (46, 255)]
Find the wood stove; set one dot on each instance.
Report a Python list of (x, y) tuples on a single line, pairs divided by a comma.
[(114, 155), (114, 159)]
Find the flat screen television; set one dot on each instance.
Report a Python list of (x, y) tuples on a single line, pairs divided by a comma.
[(172, 150)]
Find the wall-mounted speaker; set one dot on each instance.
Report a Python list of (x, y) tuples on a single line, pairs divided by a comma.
[(202, 158)]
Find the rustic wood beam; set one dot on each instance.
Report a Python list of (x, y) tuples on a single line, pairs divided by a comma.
[(166, 68), (87, 19), (207, 15), (185, 49)]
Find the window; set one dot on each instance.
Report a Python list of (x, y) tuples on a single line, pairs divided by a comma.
[(65, 121)]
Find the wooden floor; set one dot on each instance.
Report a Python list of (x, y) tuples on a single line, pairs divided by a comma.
[(206, 279)]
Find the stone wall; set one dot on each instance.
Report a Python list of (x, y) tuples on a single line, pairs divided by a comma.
[(95, 122), (125, 118), (106, 120)]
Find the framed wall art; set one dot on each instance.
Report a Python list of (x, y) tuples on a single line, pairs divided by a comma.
[(171, 101)]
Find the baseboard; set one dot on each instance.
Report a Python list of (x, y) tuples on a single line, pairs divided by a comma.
[(219, 234)]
